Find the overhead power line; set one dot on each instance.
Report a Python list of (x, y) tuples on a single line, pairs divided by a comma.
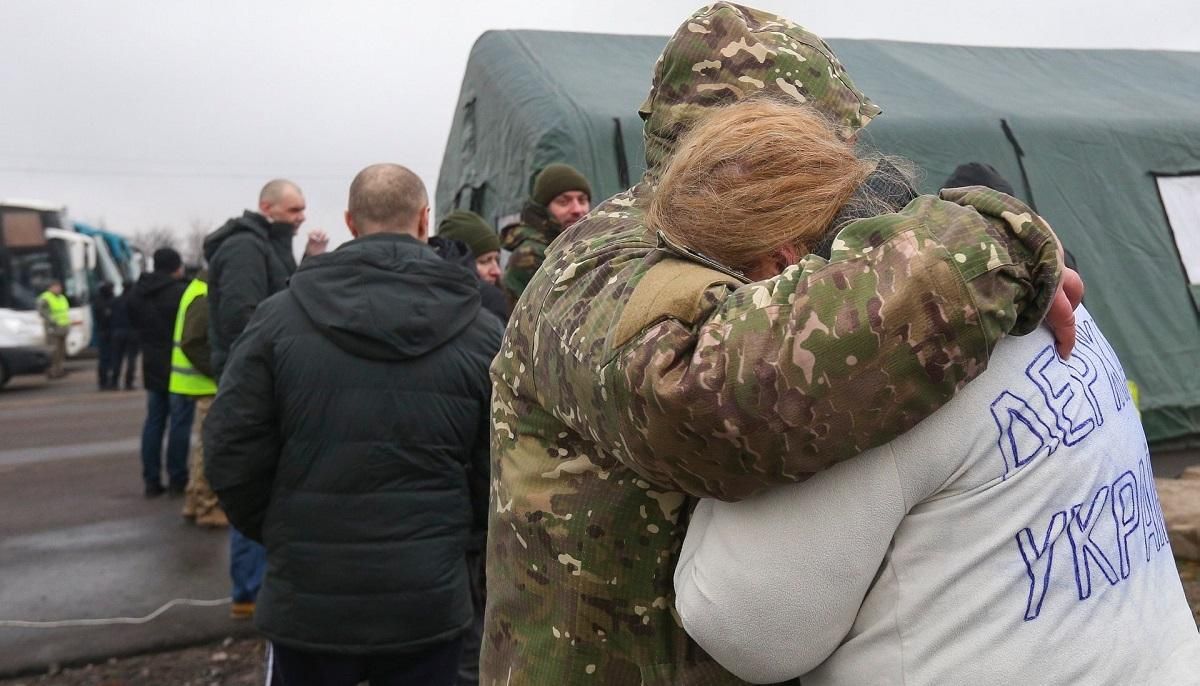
[(116, 173)]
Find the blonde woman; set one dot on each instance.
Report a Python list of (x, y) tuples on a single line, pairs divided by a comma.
[(1012, 537)]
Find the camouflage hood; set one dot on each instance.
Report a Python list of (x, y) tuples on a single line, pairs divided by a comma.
[(726, 52), (535, 223)]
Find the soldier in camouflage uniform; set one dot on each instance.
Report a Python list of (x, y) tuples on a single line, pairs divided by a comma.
[(636, 375), (561, 196)]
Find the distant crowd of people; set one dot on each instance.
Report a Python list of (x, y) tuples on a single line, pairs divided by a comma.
[(761, 417)]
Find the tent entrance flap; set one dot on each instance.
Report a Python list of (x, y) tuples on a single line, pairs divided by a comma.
[(1180, 196)]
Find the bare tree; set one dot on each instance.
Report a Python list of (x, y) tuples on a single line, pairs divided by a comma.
[(193, 242), (154, 237)]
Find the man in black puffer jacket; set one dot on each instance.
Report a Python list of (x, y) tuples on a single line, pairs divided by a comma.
[(350, 435), (249, 260), (152, 309)]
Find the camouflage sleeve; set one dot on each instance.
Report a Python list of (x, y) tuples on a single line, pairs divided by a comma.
[(788, 376), (194, 339), (522, 265), (43, 310)]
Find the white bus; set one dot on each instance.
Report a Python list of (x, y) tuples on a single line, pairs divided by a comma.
[(36, 249)]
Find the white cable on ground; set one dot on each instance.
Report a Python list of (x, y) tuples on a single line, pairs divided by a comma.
[(23, 624)]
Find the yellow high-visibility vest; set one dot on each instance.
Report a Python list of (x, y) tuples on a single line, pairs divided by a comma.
[(60, 308), (185, 378), (1136, 394)]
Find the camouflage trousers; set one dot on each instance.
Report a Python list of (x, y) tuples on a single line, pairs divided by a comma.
[(199, 500), (56, 340)]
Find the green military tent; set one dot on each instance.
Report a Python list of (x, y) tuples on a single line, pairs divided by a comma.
[(1105, 144)]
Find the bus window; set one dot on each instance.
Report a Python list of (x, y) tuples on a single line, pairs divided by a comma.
[(32, 272), (75, 283)]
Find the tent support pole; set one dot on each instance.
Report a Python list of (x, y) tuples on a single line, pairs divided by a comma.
[(622, 162), (1008, 133)]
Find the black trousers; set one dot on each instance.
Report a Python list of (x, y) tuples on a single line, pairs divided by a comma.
[(435, 666), (105, 372), (125, 349), (468, 666)]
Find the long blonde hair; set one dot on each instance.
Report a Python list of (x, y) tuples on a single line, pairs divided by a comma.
[(753, 177)]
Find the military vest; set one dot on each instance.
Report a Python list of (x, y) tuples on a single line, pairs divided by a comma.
[(185, 379)]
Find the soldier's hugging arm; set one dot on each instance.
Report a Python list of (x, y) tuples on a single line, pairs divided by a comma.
[(787, 376)]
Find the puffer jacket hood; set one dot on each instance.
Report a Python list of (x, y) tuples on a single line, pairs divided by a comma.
[(386, 297), (725, 52), (249, 260), (453, 251), (252, 222)]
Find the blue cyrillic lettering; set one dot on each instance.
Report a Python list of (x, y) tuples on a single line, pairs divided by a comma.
[(1038, 562), (1023, 435), (1085, 548), (1125, 506)]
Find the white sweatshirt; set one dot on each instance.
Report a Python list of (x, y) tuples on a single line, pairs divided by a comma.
[(1014, 537)]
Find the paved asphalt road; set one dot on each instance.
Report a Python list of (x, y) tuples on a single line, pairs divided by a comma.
[(79, 541)]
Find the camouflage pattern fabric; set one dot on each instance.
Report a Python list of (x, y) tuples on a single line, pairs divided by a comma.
[(527, 243), (199, 502), (725, 52), (599, 448)]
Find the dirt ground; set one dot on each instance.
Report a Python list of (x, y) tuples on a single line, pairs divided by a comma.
[(228, 663), (241, 662), (1189, 572)]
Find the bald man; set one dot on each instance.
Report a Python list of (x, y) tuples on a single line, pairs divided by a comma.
[(350, 436), (250, 259)]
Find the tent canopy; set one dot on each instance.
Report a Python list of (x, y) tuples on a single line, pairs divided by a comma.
[(1085, 135)]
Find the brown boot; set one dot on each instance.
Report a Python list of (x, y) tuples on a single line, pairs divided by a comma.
[(242, 610), (214, 518)]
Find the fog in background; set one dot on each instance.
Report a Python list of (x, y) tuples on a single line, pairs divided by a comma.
[(141, 114)]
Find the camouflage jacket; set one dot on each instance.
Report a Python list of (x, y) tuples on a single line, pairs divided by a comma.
[(527, 243), (635, 376)]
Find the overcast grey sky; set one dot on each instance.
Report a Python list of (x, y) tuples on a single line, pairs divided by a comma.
[(142, 112)]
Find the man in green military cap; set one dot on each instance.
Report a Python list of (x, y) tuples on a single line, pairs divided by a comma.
[(561, 197), (636, 375)]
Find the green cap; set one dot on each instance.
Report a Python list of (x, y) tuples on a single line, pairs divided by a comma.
[(470, 228), (556, 179)]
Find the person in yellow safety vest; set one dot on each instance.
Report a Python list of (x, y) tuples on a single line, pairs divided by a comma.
[(56, 315), (192, 376)]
